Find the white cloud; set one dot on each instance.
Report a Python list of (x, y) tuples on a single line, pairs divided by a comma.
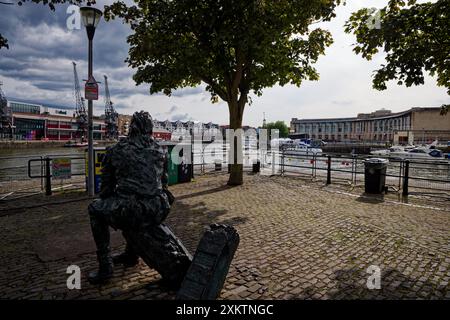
[(344, 89)]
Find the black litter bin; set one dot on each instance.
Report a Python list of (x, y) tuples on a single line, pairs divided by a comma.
[(185, 167), (180, 169), (375, 175), (256, 166)]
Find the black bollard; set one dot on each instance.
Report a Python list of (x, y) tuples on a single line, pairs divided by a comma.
[(329, 170), (406, 179), (48, 178)]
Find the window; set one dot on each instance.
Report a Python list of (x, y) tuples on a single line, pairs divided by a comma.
[(24, 108)]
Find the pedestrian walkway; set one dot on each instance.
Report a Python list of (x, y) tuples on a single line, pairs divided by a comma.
[(299, 240)]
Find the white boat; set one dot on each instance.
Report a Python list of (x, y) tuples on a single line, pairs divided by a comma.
[(418, 153), (302, 148), (391, 150), (428, 151), (282, 142), (74, 144)]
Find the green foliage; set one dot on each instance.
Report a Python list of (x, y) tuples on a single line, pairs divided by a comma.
[(51, 3), (233, 46), (280, 126), (416, 38), (3, 42)]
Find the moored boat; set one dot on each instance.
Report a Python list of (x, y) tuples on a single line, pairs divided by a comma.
[(391, 150), (418, 153), (302, 148), (72, 144)]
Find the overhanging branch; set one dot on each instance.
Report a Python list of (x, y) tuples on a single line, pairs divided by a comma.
[(217, 89)]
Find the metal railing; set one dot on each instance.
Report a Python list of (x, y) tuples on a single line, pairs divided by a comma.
[(418, 175), (46, 172), (27, 175), (204, 162), (32, 174)]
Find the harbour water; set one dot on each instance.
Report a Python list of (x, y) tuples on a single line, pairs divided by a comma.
[(14, 162)]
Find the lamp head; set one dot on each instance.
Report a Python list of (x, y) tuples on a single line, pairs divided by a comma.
[(90, 16)]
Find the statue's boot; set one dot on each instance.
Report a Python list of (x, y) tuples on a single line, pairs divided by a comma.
[(100, 231), (105, 269), (127, 258)]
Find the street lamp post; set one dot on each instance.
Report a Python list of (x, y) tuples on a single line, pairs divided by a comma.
[(90, 17)]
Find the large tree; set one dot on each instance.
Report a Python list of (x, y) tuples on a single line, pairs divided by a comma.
[(415, 38), (282, 128), (3, 42), (235, 47)]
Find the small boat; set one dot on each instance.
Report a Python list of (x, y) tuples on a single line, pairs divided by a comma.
[(391, 150), (282, 142), (302, 148), (72, 144), (418, 153), (298, 146), (426, 152)]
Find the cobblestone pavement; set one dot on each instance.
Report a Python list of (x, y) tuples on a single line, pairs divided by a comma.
[(298, 241)]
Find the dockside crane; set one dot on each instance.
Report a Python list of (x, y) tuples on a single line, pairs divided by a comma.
[(111, 116), (80, 108), (6, 126)]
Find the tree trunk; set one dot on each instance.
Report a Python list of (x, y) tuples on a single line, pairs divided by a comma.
[(236, 172)]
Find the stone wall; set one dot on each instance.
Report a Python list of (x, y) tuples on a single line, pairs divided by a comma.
[(430, 119)]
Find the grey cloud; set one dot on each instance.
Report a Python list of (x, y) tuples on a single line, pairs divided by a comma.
[(342, 102), (42, 48), (181, 117), (38, 66), (51, 85), (173, 109), (187, 91)]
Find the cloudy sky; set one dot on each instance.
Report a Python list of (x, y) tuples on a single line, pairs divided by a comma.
[(38, 67)]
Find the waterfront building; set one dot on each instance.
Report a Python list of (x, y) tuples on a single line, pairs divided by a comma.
[(180, 130), (175, 130), (32, 121), (413, 126)]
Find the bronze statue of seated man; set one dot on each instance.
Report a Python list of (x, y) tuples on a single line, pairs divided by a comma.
[(134, 199)]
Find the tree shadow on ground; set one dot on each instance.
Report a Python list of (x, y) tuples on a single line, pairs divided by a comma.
[(189, 217), (204, 193), (189, 221), (352, 285)]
